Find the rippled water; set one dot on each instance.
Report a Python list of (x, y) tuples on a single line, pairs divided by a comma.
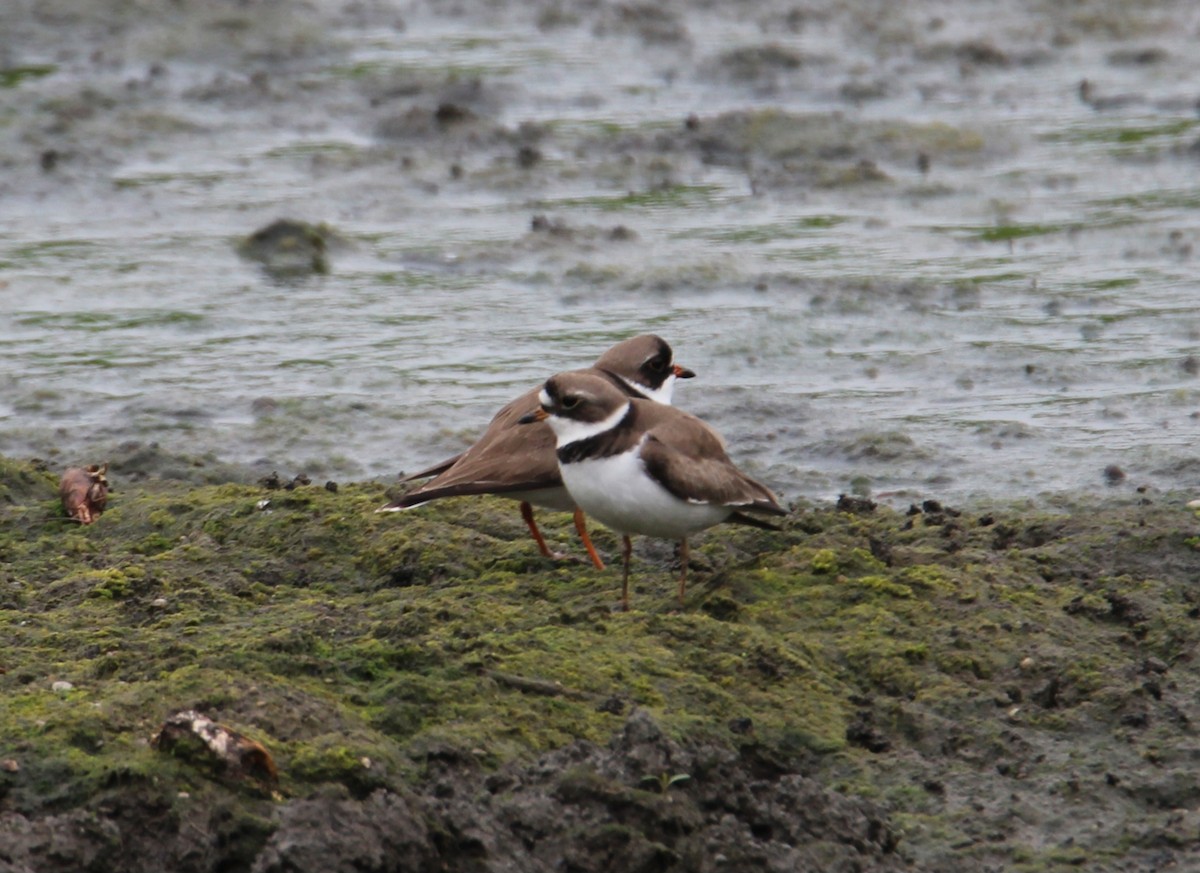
[(1011, 320)]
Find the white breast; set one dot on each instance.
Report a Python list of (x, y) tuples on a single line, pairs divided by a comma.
[(618, 493)]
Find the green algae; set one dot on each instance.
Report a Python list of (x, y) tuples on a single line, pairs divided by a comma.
[(358, 647), (11, 77), (765, 233)]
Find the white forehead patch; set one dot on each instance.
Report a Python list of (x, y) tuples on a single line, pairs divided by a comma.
[(543, 398)]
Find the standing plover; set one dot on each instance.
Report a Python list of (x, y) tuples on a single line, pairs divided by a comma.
[(518, 461), (644, 468)]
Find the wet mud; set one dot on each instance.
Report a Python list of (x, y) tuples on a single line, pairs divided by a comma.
[(282, 233)]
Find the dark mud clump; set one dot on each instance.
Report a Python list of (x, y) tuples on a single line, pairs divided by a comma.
[(290, 248), (593, 808)]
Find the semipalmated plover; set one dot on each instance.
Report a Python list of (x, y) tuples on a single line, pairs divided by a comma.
[(518, 461), (644, 468)]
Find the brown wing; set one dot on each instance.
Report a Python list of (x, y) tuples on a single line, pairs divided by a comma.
[(441, 467), (487, 446), (508, 457), (520, 458), (688, 458)]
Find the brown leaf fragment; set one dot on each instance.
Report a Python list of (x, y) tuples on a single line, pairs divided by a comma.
[(236, 754), (84, 492)]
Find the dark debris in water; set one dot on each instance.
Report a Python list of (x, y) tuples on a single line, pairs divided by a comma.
[(287, 247)]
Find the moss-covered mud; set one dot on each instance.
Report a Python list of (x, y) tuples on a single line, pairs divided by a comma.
[(999, 688)]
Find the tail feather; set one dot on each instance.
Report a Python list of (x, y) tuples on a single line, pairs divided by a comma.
[(398, 507), (429, 472)]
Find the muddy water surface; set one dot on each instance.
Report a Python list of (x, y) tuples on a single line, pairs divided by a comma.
[(918, 249)]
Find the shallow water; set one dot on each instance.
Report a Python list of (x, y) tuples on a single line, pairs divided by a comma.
[(1011, 320)]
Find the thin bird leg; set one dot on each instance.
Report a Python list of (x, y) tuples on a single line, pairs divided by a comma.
[(527, 514), (683, 562), (581, 526), (626, 550)]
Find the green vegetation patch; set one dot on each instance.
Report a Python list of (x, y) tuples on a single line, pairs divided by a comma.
[(357, 647), (1124, 135), (11, 77)]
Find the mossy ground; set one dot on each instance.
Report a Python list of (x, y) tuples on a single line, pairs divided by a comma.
[(1001, 681)]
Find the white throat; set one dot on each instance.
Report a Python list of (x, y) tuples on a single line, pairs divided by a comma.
[(569, 431), (662, 394)]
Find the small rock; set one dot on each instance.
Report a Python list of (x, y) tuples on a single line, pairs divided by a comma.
[(741, 725), (613, 705), (452, 113), (62, 686), (855, 505), (1154, 665), (159, 602), (1027, 664), (10, 765), (527, 156)]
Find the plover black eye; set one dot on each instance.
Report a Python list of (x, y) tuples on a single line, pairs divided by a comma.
[(570, 402)]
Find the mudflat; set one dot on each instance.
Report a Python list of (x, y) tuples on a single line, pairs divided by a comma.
[(871, 688)]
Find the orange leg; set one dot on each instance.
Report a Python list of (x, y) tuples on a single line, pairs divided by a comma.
[(683, 562), (581, 526), (626, 550), (527, 514)]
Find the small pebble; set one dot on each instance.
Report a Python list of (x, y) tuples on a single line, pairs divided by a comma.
[(10, 765), (62, 686), (1027, 664), (159, 602), (1155, 665)]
